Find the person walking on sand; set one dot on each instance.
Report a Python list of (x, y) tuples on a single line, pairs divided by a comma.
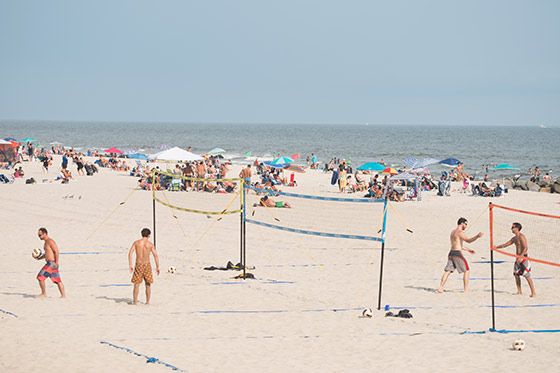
[(522, 266), (50, 269), (142, 270), (455, 259)]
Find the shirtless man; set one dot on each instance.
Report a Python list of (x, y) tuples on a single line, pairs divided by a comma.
[(142, 269), (50, 269), (246, 174), (522, 266), (455, 259)]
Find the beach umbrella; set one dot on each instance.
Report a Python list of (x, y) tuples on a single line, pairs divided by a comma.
[(413, 162), (390, 171), (505, 166), (10, 139), (113, 150), (450, 162), (248, 154), (4, 142), (216, 151), (273, 165), (55, 143), (28, 139), (282, 161), (371, 166), (176, 154), (295, 156), (139, 156)]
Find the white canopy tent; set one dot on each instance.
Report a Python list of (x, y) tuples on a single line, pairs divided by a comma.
[(175, 154)]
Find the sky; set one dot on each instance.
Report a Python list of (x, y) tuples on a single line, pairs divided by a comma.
[(379, 62)]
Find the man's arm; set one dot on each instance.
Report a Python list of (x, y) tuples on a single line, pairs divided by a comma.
[(472, 239), (130, 267), (156, 258), (510, 242)]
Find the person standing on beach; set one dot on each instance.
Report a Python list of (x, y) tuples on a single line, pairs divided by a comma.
[(522, 266), (455, 259), (50, 269), (142, 269), (246, 174)]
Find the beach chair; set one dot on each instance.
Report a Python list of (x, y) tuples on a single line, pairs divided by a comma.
[(175, 185)]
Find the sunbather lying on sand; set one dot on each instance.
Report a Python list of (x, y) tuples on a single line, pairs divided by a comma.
[(269, 202)]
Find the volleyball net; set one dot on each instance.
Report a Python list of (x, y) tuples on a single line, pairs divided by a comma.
[(541, 230), (194, 219), (333, 217)]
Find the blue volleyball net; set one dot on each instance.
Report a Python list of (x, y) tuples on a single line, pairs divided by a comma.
[(323, 216)]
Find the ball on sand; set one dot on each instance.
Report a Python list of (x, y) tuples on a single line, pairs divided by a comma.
[(172, 269), (37, 253), (367, 313), (518, 345)]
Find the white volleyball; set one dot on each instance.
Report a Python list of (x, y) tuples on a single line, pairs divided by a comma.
[(518, 345), (367, 313), (172, 269), (37, 253)]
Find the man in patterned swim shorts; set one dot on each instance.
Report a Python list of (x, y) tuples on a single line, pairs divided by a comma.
[(522, 266), (142, 269), (50, 269), (455, 258)]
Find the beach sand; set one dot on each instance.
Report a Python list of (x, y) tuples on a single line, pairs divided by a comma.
[(301, 313)]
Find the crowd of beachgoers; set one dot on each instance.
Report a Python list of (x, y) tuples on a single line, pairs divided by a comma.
[(399, 184)]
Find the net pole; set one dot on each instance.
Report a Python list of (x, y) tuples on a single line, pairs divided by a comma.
[(382, 253), (243, 229), (154, 206), (491, 222)]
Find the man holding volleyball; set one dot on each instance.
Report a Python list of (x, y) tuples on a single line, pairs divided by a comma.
[(50, 269)]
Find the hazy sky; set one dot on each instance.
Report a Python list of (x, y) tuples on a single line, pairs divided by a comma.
[(436, 62)]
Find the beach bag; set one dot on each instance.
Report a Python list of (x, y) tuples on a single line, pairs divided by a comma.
[(30, 181)]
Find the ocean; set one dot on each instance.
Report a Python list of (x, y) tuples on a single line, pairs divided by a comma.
[(475, 146)]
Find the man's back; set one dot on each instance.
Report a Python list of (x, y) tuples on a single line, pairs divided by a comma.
[(143, 247)]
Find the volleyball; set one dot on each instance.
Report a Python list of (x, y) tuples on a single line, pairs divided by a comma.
[(519, 345), (37, 253), (172, 269), (367, 313)]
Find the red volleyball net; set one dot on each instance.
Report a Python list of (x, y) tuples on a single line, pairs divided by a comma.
[(542, 232)]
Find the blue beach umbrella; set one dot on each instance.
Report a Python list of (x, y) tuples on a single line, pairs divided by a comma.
[(282, 161), (140, 156), (372, 166), (28, 139), (505, 166), (10, 139), (270, 164), (450, 162)]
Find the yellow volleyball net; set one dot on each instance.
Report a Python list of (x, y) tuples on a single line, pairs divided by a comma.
[(208, 213)]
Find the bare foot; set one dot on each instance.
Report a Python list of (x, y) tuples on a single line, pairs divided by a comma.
[(42, 296), (533, 295), (518, 293), (439, 291)]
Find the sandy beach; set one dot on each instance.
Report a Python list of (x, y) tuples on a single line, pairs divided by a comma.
[(301, 313)]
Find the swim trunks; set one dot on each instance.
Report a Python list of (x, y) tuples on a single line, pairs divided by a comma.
[(279, 204), (142, 271), (522, 268), (456, 261), (49, 270)]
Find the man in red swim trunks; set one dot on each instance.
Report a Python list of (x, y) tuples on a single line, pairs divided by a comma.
[(50, 269)]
